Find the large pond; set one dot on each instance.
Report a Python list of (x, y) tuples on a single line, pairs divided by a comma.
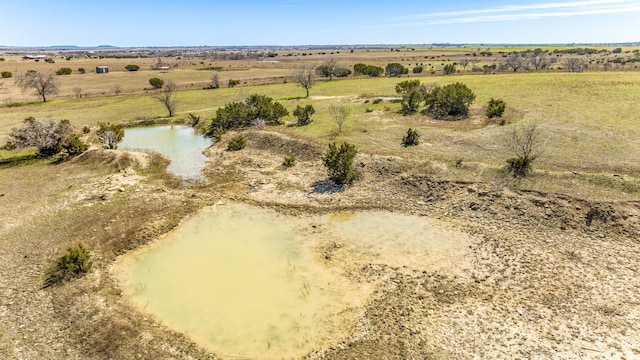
[(247, 282), (175, 142)]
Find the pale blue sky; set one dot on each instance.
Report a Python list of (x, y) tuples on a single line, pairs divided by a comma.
[(315, 22)]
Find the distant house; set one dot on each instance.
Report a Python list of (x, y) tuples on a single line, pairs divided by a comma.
[(102, 69)]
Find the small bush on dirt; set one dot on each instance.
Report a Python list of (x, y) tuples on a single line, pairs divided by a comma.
[(376, 101), (157, 83), (64, 71), (519, 166), (449, 69), (6, 74), (75, 263), (495, 108), (410, 138), (289, 161), (81, 70), (132, 67), (339, 163), (86, 129), (73, 145), (236, 143), (304, 114), (418, 69), (233, 83)]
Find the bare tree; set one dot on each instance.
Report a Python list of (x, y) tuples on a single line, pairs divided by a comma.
[(514, 61), (574, 64), (538, 59), (77, 92), (523, 142), (464, 63), (41, 84), (117, 89), (304, 78), (46, 135), (328, 68), (110, 135), (167, 97), (339, 114), (215, 82)]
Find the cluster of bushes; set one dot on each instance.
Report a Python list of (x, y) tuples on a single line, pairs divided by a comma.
[(367, 70), (441, 102), (6, 74), (395, 70), (238, 115), (48, 136), (331, 71)]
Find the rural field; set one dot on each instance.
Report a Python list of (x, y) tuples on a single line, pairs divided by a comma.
[(549, 266)]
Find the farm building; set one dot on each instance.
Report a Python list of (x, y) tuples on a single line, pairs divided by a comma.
[(102, 69)]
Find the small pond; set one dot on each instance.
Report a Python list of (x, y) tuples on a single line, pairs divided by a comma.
[(248, 282), (177, 143)]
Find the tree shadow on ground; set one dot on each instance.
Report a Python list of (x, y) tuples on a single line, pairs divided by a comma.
[(326, 187)]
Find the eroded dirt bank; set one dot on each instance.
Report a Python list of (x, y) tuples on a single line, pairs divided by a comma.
[(551, 276)]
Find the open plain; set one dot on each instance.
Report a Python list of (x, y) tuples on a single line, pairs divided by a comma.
[(553, 258)]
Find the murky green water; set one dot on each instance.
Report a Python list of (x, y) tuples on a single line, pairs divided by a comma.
[(251, 283), (175, 142)]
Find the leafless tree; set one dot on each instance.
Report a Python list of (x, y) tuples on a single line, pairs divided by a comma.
[(167, 97), (523, 142), (606, 66), (41, 84), (328, 68), (304, 77), (514, 61), (46, 135), (117, 89), (339, 114), (538, 59), (574, 64), (77, 92), (215, 82), (464, 63)]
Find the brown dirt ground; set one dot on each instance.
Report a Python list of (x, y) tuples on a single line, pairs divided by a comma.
[(552, 276)]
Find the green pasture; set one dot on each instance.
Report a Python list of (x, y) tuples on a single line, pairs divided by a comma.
[(589, 122)]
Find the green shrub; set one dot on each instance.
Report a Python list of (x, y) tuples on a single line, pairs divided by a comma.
[(236, 143), (304, 114), (81, 70), (6, 74), (233, 83), (395, 69), (157, 83), (237, 115), (376, 101), (410, 138), (73, 145), (49, 60), (64, 71), (339, 163), (413, 94), (289, 161), (86, 129), (495, 108), (132, 67), (449, 69), (418, 69), (75, 263), (451, 100), (520, 166)]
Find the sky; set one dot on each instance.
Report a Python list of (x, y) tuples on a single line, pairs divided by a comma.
[(133, 23)]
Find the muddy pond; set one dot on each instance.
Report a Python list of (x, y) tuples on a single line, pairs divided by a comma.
[(248, 282), (177, 143)]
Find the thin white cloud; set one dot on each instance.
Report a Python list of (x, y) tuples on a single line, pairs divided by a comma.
[(521, 12)]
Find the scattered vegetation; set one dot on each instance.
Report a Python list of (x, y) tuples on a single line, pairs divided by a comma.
[(339, 163), (411, 138)]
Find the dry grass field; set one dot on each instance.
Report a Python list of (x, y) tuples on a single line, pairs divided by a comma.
[(554, 271)]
